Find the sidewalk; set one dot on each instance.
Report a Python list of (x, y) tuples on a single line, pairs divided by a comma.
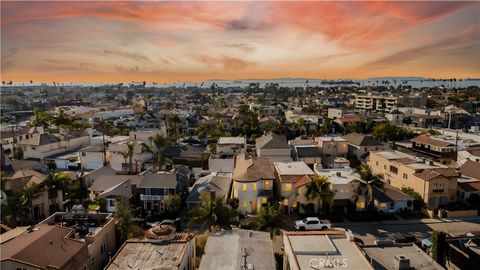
[(407, 221)]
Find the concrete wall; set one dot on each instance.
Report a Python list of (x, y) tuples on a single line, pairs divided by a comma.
[(462, 213), (42, 151), (91, 160)]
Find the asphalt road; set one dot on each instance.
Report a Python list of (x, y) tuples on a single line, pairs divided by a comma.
[(368, 233)]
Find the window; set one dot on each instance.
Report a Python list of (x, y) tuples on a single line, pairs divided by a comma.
[(383, 205), (111, 203), (244, 204), (384, 167), (294, 203), (93, 261), (360, 205), (288, 187), (393, 169), (244, 187), (285, 202), (264, 200), (254, 186), (83, 154), (376, 163), (266, 185), (405, 176)]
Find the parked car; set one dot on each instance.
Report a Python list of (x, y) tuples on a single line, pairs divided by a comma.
[(312, 223)]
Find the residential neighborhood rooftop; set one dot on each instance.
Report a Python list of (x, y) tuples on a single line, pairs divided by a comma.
[(235, 246)]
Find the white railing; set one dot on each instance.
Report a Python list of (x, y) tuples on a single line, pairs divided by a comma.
[(151, 197)]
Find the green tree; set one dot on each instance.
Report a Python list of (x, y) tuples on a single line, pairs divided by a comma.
[(98, 204), (174, 122), (300, 124), (212, 212), (42, 119), (268, 218), (438, 246), (174, 203), (320, 189), (25, 199), (124, 217), (364, 186)]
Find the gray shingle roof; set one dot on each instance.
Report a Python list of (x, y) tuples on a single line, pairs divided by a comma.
[(361, 140), (272, 141)]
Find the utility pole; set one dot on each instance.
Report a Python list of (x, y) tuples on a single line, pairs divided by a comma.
[(456, 146)]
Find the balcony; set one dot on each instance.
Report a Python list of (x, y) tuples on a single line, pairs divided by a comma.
[(151, 197), (438, 190)]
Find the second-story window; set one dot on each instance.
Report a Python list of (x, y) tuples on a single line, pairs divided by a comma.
[(266, 185), (244, 187), (394, 169), (288, 187), (254, 186)]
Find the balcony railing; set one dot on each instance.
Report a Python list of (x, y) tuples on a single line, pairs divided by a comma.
[(151, 197)]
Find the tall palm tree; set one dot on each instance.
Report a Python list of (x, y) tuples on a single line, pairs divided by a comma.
[(300, 124), (364, 186), (321, 189), (130, 151), (154, 147), (53, 183), (174, 121), (25, 198), (125, 156)]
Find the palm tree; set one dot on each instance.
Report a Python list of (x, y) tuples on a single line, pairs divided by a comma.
[(364, 186), (53, 183), (129, 153), (300, 124), (174, 121), (268, 217), (154, 147), (212, 212), (321, 189), (125, 156), (26, 196)]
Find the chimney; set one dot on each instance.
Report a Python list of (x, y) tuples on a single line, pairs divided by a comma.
[(212, 194)]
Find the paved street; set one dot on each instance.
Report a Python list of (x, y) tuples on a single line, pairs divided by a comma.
[(368, 232)]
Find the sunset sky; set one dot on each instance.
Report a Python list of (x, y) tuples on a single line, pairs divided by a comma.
[(195, 41)]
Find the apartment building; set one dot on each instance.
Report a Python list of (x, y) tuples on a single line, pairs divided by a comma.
[(376, 102), (44, 247), (96, 231), (436, 184), (331, 148), (437, 149)]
